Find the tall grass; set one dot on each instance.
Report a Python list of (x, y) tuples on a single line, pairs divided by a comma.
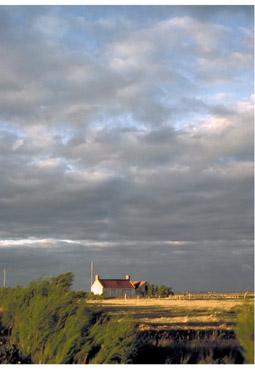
[(47, 322)]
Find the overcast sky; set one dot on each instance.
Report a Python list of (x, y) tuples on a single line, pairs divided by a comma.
[(126, 137)]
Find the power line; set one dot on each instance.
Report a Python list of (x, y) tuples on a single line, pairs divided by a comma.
[(91, 273), (4, 278)]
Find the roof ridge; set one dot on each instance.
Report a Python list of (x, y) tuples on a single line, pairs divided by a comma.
[(114, 279), (116, 283)]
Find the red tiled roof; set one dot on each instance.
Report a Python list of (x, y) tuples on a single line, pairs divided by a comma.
[(137, 284), (116, 283)]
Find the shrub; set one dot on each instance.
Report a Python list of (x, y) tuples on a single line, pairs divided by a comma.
[(92, 296), (47, 322), (116, 339), (245, 331)]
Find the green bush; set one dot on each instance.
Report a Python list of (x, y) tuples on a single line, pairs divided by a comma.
[(92, 296), (116, 339), (47, 322), (245, 331)]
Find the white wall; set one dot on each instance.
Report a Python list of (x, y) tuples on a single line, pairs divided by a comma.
[(97, 288)]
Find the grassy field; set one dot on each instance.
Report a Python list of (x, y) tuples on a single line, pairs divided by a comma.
[(46, 322), (196, 311), (182, 311)]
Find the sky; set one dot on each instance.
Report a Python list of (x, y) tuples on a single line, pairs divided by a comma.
[(126, 137)]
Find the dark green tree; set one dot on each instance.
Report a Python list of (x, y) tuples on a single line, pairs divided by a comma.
[(158, 291)]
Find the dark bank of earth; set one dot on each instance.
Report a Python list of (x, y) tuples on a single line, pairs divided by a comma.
[(187, 347), (160, 347)]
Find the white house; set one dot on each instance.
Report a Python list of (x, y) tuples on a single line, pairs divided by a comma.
[(118, 287)]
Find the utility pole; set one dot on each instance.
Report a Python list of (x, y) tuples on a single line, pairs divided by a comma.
[(91, 273), (4, 280)]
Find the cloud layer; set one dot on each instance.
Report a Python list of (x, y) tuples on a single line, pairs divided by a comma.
[(133, 128)]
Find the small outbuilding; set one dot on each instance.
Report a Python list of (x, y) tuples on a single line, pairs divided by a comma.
[(118, 287)]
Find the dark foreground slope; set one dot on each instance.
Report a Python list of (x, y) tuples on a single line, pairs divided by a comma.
[(47, 323), (188, 347)]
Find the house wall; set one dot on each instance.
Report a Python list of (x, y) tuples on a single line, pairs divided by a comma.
[(97, 288), (119, 292), (141, 291)]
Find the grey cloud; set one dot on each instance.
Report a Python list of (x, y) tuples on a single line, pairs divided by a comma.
[(129, 180), (127, 143), (160, 264)]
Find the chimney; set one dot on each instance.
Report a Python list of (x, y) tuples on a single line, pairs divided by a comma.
[(127, 277), (97, 277)]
